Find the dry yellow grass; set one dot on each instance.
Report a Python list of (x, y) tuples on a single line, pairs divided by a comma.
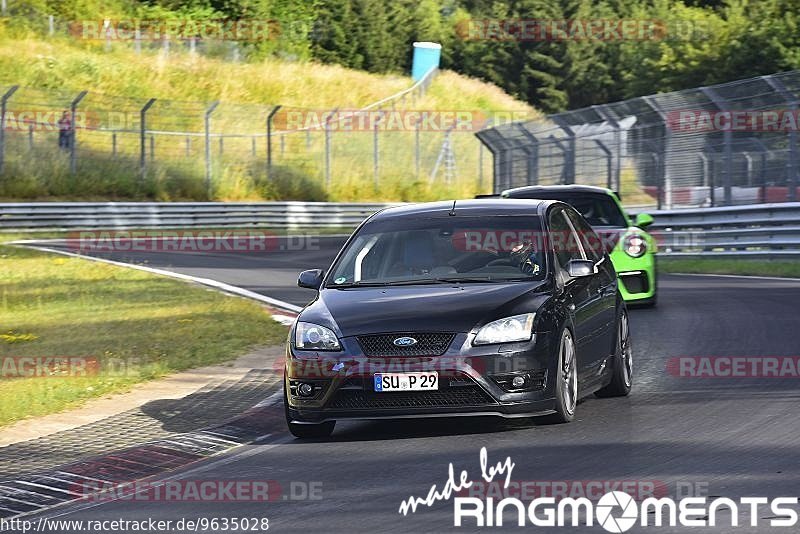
[(68, 66), (63, 64)]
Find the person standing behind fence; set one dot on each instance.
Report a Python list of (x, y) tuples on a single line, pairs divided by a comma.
[(65, 131)]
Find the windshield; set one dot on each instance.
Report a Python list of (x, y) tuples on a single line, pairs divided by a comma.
[(598, 210), (442, 250)]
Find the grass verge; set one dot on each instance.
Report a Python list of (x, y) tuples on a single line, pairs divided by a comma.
[(781, 268), (116, 326)]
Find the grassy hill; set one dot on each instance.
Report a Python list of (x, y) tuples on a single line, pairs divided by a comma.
[(53, 70)]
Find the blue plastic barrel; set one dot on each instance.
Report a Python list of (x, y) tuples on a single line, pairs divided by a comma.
[(426, 57)]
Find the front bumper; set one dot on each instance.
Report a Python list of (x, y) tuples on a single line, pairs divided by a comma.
[(473, 381), (637, 276)]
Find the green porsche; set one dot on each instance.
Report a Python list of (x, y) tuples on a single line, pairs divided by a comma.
[(631, 248)]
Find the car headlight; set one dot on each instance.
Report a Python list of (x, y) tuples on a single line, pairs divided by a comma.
[(634, 245), (309, 336), (516, 328)]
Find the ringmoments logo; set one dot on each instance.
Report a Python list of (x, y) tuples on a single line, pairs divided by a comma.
[(615, 511)]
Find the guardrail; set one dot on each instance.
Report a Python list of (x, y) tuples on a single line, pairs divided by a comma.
[(766, 230), (44, 216)]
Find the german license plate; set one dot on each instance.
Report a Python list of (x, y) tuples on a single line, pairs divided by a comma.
[(388, 382)]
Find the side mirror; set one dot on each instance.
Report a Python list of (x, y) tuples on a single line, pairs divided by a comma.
[(311, 279), (643, 220), (581, 268)]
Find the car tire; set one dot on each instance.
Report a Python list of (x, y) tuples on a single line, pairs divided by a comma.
[(303, 430), (566, 387), (622, 361)]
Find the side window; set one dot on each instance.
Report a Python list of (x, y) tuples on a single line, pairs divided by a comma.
[(562, 239), (589, 238)]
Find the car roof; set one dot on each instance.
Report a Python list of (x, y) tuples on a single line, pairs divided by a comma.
[(472, 207), (532, 190)]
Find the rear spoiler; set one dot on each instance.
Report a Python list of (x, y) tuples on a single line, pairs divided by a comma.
[(488, 196)]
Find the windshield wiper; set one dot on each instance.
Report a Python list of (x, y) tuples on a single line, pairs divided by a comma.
[(428, 281), (385, 284), (355, 284), (477, 279)]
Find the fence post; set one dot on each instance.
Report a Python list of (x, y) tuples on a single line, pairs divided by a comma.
[(664, 176), (532, 151), (569, 150), (480, 167), (73, 158), (375, 151), (609, 162), (142, 136), (481, 135), (107, 33), (417, 155), (603, 112), (207, 131), (762, 173), (328, 148), (706, 175), (3, 103), (269, 139), (114, 144), (152, 148), (565, 154), (793, 163), (30, 136), (727, 140), (51, 25), (658, 167)]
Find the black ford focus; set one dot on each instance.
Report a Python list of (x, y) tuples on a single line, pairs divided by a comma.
[(475, 307)]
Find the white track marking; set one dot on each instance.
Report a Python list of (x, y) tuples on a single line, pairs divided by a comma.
[(784, 279), (226, 288)]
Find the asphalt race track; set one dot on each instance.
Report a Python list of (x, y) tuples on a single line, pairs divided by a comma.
[(730, 437)]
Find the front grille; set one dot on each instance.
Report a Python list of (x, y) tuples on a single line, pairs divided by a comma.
[(428, 344), (351, 399), (464, 392)]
